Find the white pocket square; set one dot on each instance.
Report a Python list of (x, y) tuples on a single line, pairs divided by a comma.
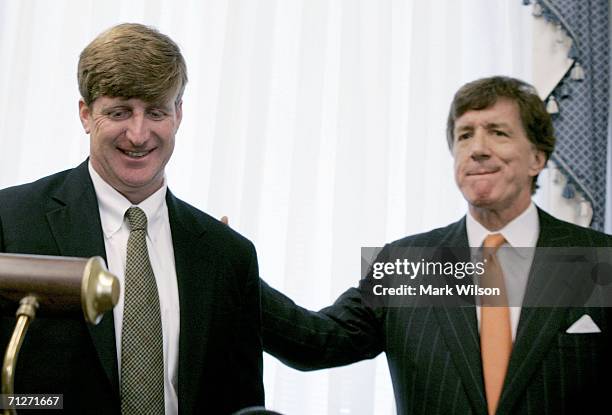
[(583, 325)]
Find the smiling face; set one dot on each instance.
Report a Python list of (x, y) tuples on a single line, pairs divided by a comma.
[(131, 142), (495, 162)]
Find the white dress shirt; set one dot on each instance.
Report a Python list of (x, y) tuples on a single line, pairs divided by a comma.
[(522, 232), (113, 206)]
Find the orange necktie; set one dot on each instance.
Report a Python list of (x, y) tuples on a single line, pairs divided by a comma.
[(495, 331)]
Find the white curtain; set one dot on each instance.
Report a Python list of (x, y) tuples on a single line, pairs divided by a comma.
[(317, 126)]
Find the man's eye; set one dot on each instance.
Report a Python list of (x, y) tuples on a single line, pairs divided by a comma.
[(463, 136), (119, 114), (500, 133), (157, 114)]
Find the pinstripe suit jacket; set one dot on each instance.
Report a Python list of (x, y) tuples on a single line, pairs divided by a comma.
[(434, 353)]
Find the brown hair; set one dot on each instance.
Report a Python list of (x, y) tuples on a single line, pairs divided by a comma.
[(131, 60), (484, 93)]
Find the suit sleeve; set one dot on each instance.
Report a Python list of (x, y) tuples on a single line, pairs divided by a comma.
[(249, 347), (345, 332), (1, 236)]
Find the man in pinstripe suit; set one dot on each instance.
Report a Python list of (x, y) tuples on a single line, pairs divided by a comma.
[(500, 136)]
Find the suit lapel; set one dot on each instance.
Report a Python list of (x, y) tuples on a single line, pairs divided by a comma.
[(195, 271), (460, 332), (74, 219), (459, 325), (537, 326)]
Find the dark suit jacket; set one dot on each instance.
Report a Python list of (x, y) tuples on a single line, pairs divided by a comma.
[(434, 352), (220, 362)]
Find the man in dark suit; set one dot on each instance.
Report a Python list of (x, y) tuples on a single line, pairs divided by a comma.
[(186, 335), (476, 359)]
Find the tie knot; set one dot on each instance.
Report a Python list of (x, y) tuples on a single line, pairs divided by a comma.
[(137, 218), (494, 241)]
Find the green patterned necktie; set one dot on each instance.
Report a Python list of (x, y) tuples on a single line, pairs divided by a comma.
[(142, 354)]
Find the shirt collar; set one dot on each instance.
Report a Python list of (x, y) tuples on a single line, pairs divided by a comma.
[(521, 232), (113, 205)]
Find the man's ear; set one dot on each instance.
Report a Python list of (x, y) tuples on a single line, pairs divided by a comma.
[(538, 163), (84, 113), (179, 113)]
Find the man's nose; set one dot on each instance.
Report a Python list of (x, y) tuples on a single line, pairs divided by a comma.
[(137, 131), (479, 146)]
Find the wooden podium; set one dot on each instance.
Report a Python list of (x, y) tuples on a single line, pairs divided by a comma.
[(55, 285)]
